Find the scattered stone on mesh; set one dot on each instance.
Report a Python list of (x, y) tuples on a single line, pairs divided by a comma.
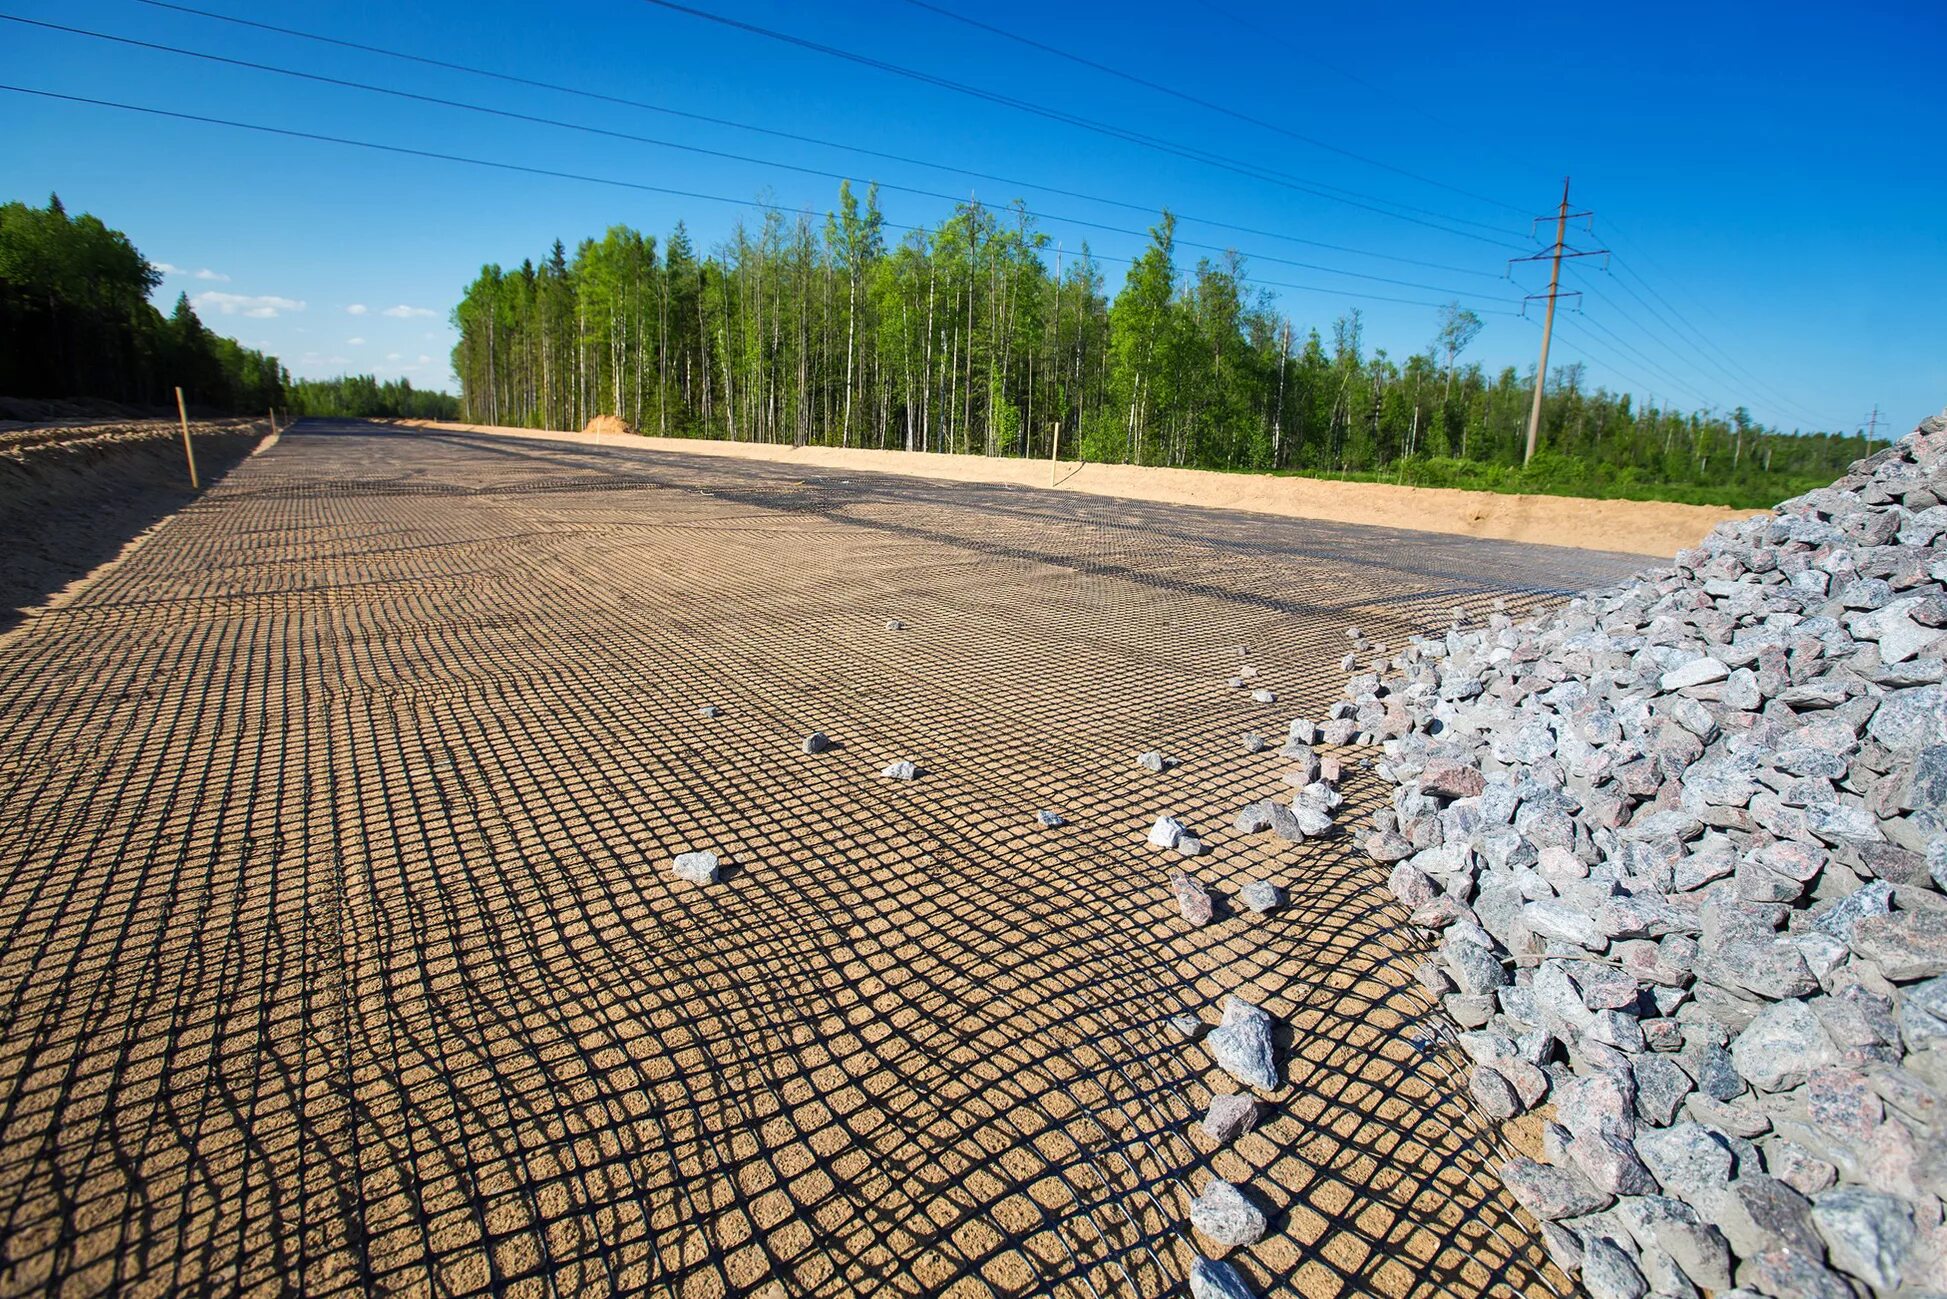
[(1189, 845), (816, 742), (696, 867), (1230, 1116), (1186, 1025), (901, 771), (1253, 742), (1212, 1278), (708, 710), (1166, 832), (1241, 1045), (1224, 1214), (1254, 818), (1682, 843), (1264, 696), (1153, 761), (893, 624), (1051, 819), (1193, 901), (1247, 671), (1261, 896)]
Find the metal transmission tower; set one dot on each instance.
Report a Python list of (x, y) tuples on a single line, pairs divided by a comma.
[(1555, 256)]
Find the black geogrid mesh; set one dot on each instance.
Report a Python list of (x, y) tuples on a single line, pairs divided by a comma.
[(338, 948)]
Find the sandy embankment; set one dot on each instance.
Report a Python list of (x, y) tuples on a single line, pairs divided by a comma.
[(1659, 528)]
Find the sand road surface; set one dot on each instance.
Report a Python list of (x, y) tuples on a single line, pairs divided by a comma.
[(339, 950)]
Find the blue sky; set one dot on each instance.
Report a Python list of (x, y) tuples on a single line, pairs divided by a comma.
[(1767, 175)]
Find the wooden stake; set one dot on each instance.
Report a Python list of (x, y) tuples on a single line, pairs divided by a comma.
[(273, 421), (189, 451), (1054, 455)]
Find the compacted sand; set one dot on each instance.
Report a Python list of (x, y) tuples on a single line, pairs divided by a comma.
[(1659, 528), (339, 950)]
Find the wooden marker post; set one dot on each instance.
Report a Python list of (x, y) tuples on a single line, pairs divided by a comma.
[(273, 421), (189, 450), (1054, 455)]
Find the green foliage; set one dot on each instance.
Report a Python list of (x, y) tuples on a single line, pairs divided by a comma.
[(362, 396), (970, 337), (76, 321)]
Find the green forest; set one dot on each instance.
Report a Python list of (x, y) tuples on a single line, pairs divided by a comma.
[(363, 396), (979, 337), (76, 321)]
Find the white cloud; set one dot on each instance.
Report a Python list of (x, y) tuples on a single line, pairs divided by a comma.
[(170, 268), (394, 356), (403, 312), (167, 269), (357, 309), (262, 307), (207, 274), (425, 360), (354, 342)]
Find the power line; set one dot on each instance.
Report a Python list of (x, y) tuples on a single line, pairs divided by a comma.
[(1698, 337), (1697, 359), (512, 115), (553, 173), (819, 141), (1220, 161), (1188, 98)]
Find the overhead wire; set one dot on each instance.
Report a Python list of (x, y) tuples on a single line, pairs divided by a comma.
[(1198, 101), (512, 115), (818, 141), (554, 173), (1317, 188), (1697, 337)]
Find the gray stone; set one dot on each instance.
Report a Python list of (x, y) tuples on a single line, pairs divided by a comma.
[(1672, 1226), (901, 770), (1609, 1273), (1253, 742), (1216, 1279), (1186, 1026), (1661, 1085), (1688, 1160), (1759, 1213), (1229, 1117), (1797, 1167), (1051, 819), (1475, 969), (1697, 672), (1242, 1046), (1563, 923), (1923, 1015), (1548, 1192), (1261, 896), (709, 710), (1905, 945), (1153, 761), (1789, 1274), (696, 867), (1611, 1164), (1492, 1092), (1783, 1044), (1225, 1215), (1867, 1233), (816, 742), (1165, 832)]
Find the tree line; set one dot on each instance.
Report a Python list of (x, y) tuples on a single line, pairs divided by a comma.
[(979, 336), (363, 396), (76, 321)]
